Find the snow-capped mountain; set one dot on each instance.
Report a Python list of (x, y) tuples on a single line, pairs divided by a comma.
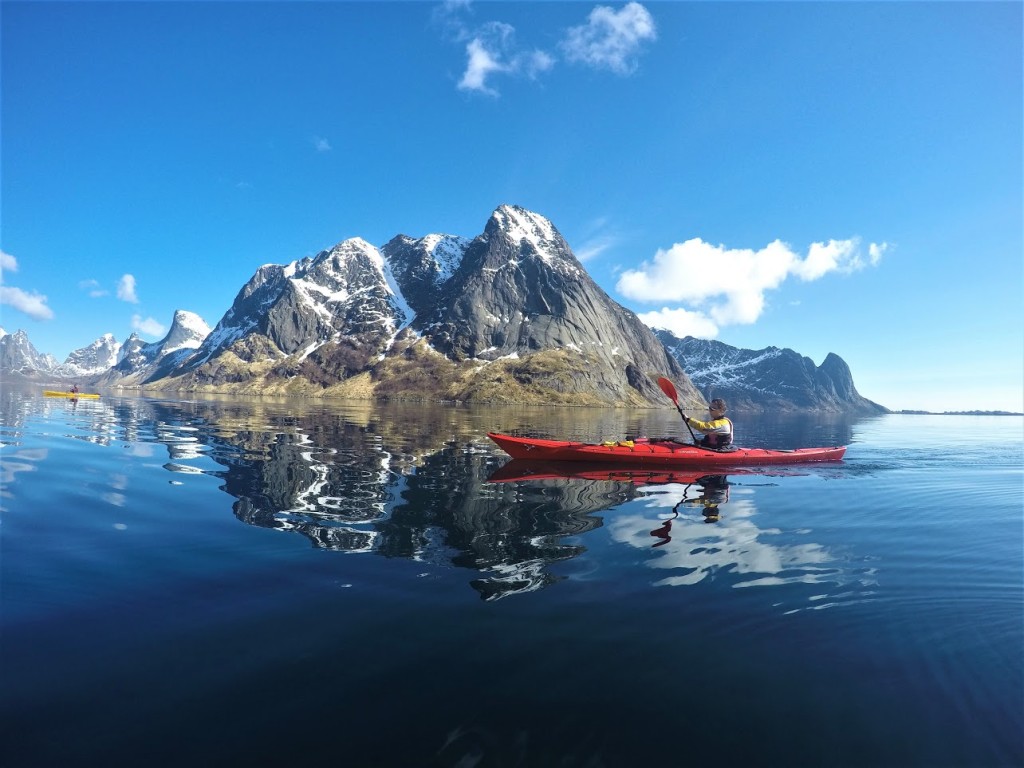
[(767, 379), (20, 360), (131, 351), (138, 362), (510, 314), (303, 305), (188, 331), (91, 360), (519, 289)]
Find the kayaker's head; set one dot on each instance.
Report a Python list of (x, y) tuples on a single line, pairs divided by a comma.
[(717, 407)]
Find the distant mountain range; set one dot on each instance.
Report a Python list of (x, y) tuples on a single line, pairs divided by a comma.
[(770, 379), (508, 316)]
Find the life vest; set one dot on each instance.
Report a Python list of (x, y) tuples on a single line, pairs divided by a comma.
[(717, 439)]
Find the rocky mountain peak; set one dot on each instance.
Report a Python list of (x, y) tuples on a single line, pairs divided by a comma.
[(18, 358), (520, 291), (421, 266), (188, 330), (130, 348), (91, 360), (525, 228), (337, 263)]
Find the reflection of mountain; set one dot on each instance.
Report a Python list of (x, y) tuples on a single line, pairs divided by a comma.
[(349, 500), (411, 482), (319, 491), (404, 483), (510, 533)]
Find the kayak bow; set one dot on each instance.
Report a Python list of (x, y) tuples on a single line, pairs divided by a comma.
[(660, 453)]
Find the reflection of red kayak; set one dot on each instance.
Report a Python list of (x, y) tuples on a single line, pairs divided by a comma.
[(657, 453), (525, 469)]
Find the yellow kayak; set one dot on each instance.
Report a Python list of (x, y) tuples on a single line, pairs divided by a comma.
[(87, 395)]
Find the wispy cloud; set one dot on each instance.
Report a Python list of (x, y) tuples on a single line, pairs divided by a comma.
[(126, 289), (31, 303), (610, 40), (482, 63), (494, 50), (149, 326), (594, 247), (7, 263), (727, 286), (93, 288), (597, 238), (320, 144)]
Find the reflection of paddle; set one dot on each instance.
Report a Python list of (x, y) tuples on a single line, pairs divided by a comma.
[(670, 389), (664, 531)]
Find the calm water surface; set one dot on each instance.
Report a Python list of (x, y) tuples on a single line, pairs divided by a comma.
[(232, 582)]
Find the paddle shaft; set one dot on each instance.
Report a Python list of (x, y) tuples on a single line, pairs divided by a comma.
[(670, 389)]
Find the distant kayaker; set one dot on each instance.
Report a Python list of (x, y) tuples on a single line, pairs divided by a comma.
[(717, 430), (74, 389)]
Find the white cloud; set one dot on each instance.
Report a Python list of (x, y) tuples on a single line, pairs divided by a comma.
[(448, 16), (875, 252), (149, 326), (32, 304), (481, 63), (7, 263), (535, 62), (836, 256), (681, 322), (321, 144), (126, 289), (610, 39), (93, 288), (493, 50), (728, 286)]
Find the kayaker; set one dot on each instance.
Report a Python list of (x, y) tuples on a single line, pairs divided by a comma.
[(74, 389), (718, 430)]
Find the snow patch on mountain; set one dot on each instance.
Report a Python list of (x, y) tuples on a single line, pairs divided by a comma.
[(535, 236), (399, 300), (447, 252)]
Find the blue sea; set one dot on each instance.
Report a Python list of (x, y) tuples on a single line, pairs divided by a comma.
[(227, 581)]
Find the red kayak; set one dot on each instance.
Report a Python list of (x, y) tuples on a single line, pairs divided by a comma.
[(657, 453)]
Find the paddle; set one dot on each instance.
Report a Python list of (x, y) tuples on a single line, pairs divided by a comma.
[(670, 389)]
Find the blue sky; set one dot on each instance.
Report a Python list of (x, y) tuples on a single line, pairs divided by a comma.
[(829, 177)]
